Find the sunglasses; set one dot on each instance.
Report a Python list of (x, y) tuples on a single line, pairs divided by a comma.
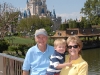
[(75, 46)]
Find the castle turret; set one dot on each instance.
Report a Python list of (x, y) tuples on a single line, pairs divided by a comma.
[(39, 8), (54, 14)]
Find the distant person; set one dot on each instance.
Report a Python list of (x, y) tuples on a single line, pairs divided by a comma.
[(37, 57), (57, 58), (79, 65)]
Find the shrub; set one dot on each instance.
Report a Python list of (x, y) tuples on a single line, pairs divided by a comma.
[(3, 45)]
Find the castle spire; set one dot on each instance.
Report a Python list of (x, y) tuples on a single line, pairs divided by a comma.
[(53, 13), (27, 1)]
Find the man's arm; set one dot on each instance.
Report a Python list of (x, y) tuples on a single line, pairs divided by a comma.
[(25, 72)]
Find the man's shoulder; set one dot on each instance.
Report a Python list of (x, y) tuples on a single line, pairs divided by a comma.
[(32, 49), (49, 46), (50, 49)]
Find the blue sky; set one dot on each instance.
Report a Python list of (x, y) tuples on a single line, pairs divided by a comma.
[(65, 8)]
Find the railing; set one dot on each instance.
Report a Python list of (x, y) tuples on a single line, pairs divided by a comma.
[(10, 65)]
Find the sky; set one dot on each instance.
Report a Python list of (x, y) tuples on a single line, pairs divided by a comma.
[(66, 9)]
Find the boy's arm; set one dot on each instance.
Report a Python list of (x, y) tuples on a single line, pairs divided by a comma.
[(60, 66)]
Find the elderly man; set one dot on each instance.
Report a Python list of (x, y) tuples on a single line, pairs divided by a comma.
[(37, 57)]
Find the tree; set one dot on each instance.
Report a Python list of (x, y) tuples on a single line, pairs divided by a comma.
[(72, 24), (33, 23), (63, 26), (91, 10), (8, 15), (85, 23)]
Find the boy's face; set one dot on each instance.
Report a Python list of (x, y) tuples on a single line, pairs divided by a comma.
[(60, 48)]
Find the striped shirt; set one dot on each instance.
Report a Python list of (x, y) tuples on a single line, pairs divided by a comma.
[(55, 59)]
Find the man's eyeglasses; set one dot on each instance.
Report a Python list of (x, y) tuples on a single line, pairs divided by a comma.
[(75, 46)]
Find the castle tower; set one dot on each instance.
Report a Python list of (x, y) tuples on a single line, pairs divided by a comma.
[(37, 7)]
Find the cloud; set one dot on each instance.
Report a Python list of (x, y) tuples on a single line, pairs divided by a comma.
[(72, 15)]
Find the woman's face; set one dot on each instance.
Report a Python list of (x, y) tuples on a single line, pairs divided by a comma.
[(73, 48)]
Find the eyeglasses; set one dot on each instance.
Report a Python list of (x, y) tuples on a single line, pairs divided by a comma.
[(75, 46)]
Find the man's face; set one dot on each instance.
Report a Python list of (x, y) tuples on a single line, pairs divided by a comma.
[(41, 40)]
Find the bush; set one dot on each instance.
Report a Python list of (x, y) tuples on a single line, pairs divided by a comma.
[(3, 45), (23, 48)]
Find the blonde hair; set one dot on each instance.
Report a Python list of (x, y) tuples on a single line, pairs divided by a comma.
[(59, 42), (75, 39)]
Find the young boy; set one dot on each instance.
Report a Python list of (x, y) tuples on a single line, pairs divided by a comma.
[(57, 59)]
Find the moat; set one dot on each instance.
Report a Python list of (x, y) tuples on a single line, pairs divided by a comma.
[(92, 56)]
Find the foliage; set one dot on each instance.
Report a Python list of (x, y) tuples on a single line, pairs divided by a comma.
[(13, 49), (72, 23), (34, 22), (85, 23), (64, 26), (3, 45), (51, 42), (8, 16), (19, 50), (91, 10), (23, 48)]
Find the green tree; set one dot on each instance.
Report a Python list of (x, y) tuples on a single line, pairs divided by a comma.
[(8, 15), (85, 23), (63, 26), (34, 22), (72, 24), (91, 10)]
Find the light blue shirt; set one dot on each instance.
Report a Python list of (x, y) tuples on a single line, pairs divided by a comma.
[(36, 61)]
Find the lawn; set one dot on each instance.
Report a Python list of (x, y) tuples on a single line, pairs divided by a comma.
[(19, 40)]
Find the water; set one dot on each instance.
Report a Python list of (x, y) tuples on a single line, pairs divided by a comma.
[(92, 56)]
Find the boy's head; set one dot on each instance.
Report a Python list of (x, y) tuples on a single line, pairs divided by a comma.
[(60, 45)]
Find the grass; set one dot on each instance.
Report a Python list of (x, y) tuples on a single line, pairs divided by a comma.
[(14, 40), (19, 40)]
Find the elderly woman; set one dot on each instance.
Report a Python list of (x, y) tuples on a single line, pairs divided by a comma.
[(79, 65)]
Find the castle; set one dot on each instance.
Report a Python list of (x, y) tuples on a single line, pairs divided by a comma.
[(39, 8)]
